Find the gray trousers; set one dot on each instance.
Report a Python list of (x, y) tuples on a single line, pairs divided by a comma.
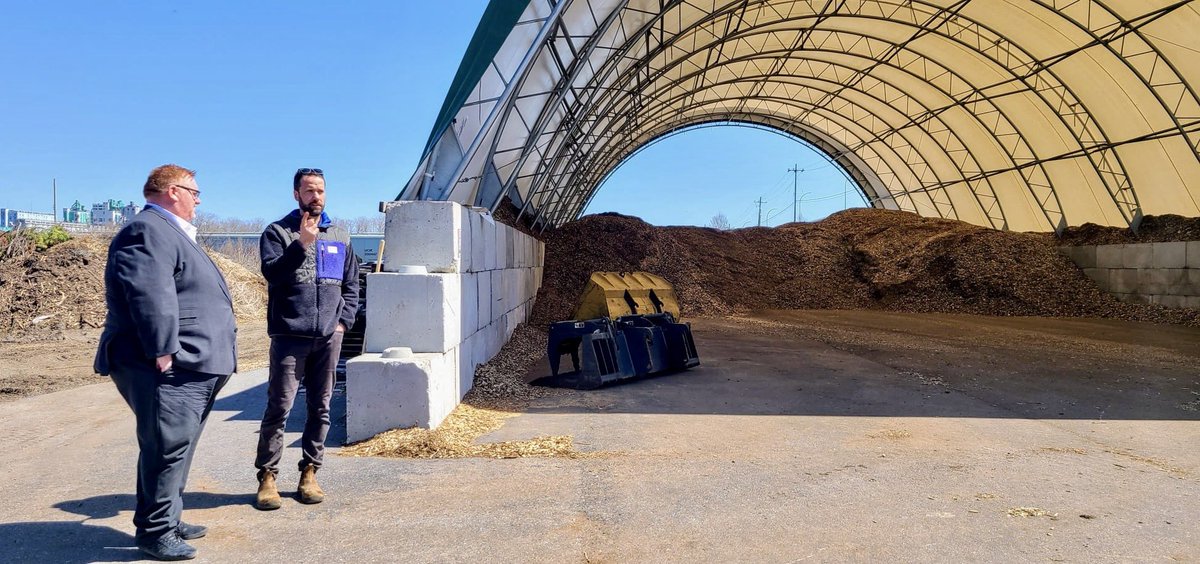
[(171, 410), (310, 361)]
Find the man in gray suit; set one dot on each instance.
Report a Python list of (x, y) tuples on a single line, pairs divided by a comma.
[(168, 344)]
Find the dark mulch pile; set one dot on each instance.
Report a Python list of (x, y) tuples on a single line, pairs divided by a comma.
[(1153, 229), (856, 259)]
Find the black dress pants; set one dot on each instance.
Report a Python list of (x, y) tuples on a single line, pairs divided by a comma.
[(171, 410)]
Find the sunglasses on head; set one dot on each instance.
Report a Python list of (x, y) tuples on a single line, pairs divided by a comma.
[(315, 171)]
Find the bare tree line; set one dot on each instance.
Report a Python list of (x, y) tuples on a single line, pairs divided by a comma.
[(719, 222), (207, 222)]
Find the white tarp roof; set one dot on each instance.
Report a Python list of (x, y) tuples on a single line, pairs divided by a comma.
[(1028, 115)]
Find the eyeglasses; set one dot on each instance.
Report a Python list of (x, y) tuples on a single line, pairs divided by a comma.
[(195, 193), (315, 171)]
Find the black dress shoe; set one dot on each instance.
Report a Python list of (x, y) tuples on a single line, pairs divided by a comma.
[(167, 547), (190, 532)]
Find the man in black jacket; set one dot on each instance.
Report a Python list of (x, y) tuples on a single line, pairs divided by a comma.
[(169, 346), (312, 297)]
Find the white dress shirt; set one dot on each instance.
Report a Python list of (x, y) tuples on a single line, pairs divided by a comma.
[(188, 228)]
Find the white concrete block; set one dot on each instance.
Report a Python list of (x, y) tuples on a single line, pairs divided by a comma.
[(384, 394), (502, 242), (1172, 301), (1122, 280), (475, 350), (452, 372), (487, 251), (1193, 254), (541, 253), (423, 233), (510, 324), (479, 236), (497, 296), (483, 344), (510, 259), (518, 241), (467, 230), (512, 288), (1138, 256), (1083, 256), (1170, 255), (496, 337), (1109, 256), (419, 311), (466, 369), (530, 251), (470, 305), (483, 284)]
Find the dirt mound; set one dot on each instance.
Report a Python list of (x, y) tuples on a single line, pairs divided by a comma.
[(856, 259), (45, 292)]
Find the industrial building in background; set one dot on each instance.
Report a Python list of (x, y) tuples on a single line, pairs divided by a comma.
[(77, 217), (19, 219)]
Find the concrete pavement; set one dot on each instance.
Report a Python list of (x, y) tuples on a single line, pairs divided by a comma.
[(781, 447)]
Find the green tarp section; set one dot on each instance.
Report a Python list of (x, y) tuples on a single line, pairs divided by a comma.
[(498, 21)]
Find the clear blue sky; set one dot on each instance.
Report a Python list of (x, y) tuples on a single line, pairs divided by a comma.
[(95, 94)]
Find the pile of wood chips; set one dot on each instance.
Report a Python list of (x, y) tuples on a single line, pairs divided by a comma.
[(855, 259), (45, 292), (500, 392), (1152, 229)]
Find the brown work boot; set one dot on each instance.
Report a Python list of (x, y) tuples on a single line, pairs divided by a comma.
[(268, 494), (309, 491)]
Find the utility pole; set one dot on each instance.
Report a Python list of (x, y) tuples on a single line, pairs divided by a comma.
[(54, 208), (760, 203), (795, 170)]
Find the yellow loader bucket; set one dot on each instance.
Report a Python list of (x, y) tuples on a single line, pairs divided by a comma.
[(613, 294)]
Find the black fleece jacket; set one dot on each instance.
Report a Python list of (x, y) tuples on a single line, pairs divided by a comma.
[(309, 290)]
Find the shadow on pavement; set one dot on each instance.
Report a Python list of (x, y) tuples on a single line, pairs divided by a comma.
[(924, 366), (76, 542), (248, 405), (66, 542), (106, 506)]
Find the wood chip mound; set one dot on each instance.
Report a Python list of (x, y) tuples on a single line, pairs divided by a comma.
[(43, 293), (855, 259), (1153, 229)]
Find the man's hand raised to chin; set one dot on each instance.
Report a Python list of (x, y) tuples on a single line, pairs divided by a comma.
[(308, 228)]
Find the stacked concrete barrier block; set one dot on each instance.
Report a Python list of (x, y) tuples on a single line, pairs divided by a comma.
[(1149, 273), (405, 391), (455, 285)]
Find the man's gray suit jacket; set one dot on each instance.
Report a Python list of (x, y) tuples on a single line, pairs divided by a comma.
[(165, 296)]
